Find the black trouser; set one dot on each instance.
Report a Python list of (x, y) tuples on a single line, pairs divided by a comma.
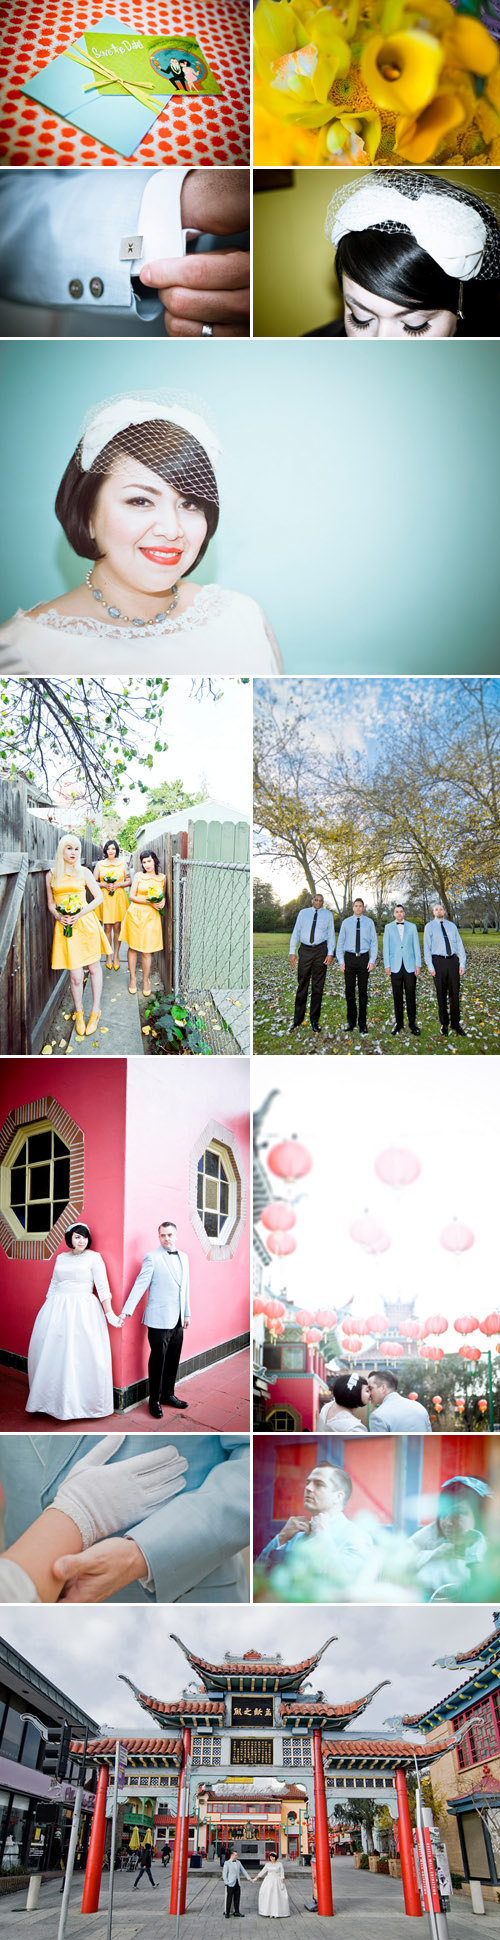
[(448, 987), (232, 1898), (356, 971), (165, 1345), (145, 1867), (311, 970), (404, 984)]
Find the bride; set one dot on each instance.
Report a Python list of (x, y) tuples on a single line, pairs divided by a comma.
[(139, 498), (69, 1355), (274, 1903)]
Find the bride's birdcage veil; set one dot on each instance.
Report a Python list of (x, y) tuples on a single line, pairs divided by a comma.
[(457, 229), (170, 432)]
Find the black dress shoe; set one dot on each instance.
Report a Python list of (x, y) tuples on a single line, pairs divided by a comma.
[(314, 1027), (396, 1030), (350, 1027), (363, 1030), (444, 1030), (171, 1401), (154, 1409), (415, 1030), (459, 1032)]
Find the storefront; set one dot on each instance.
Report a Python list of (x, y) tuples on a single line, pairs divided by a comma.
[(35, 1811)]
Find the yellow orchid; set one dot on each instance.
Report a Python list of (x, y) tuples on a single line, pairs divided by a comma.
[(417, 139), (352, 140), (402, 72)]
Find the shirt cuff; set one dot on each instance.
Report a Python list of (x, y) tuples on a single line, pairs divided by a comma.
[(146, 1582)]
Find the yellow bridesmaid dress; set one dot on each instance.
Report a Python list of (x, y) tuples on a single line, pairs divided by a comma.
[(87, 941), (142, 927), (114, 907)]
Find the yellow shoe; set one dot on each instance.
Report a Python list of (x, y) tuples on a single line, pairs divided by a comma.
[(80, 1023), (92, 1023), (116, 966), (109, 963)]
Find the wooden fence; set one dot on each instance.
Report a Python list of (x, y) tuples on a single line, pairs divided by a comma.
[(30, 991)]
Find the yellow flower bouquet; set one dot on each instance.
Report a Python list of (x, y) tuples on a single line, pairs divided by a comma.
[(155, 892), (109, 875), (69, 905), (353, 83)]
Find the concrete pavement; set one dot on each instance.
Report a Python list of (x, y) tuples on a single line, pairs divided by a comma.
[(364, 1904)]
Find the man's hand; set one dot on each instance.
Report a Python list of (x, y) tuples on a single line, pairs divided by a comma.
[(213, 287), (371, 966), (341, 966), (102, 1569), (417, 972), (295, 1526), (462, 969), (432, 973), (293, 963), (387, 973), (187, 1322), (328, 959)]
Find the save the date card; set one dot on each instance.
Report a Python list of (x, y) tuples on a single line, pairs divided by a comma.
[(113, 83)]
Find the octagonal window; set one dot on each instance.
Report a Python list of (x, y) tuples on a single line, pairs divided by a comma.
[(35, 1180)]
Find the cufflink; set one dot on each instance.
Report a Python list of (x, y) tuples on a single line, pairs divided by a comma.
[(130, 246)]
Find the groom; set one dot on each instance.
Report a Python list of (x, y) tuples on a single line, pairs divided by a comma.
[(164, 1275)]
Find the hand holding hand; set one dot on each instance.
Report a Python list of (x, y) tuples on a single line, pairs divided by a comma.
[(113, 1320), (101, 1500), (102, 1570)]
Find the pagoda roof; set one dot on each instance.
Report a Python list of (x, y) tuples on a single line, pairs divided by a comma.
[(389, 1751), (182, 1707), (252, 1671), (318, 1711), (490, 1644), (104, 1748), (460, 1699)]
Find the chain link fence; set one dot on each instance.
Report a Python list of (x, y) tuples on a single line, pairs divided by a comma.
[(212, 949)]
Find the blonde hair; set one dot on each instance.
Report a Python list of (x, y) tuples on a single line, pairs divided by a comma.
[(58, 869)]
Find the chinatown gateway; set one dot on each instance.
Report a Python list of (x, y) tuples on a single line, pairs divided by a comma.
[(260, 1757)]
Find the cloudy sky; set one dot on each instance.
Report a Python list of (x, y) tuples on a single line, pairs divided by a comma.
[(83, 1649), (345, 1122)]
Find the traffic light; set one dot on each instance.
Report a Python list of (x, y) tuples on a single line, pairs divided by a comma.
[(56, 1753)]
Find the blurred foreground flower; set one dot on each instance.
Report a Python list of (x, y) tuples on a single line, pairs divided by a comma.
[(374, 81)]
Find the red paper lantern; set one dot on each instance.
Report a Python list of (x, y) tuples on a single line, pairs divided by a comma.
[(466, 1324), (259, 1306), (431, 1353), (456, 1238), (280, 1243), (312, 1335), (410, 1329), (367, 1233), (491, 1325), (274, 1309), (289, 1160), (278, 1218), (352, 1326), (482, 1405), (303, 1317), (397, 1167), (470, 1353), (277, 1327), (391, 1348), (436, 1325), (354, 1344), (376, 1323), (414, 1395), (460, 1405), (326, 1317)]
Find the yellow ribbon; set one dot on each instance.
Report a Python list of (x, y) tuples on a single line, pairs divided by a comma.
[(139, 90)]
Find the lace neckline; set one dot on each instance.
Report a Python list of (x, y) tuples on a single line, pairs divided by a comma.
[(208, 602)]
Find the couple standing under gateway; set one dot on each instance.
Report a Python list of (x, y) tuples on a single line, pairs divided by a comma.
[(274, 1903)]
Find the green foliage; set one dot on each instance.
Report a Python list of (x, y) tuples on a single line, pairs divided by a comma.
[(175, 1029), (164, 800), (81, 735)]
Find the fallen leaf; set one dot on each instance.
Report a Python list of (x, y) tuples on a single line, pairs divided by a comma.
[(104, 1030), (46, 1051)]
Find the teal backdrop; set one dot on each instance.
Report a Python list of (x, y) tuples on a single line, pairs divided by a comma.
[(359, 486)]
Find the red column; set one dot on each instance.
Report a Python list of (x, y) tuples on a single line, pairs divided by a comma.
[(413, 1905), (180, 1859), (93, 1870), (323, 1866)]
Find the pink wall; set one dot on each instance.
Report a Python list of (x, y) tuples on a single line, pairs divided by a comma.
[(169, 1104), (95, 1096), (304, 1395)]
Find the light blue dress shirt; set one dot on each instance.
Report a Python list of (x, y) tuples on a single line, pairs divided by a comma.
[(192, 1543), (397, 952), (434, 943), (347, 937), (324, 932), (346, 1539)]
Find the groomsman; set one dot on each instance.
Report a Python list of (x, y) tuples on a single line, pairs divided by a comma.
[(403, 964), (445, 958), (314, 931), (357, 951)]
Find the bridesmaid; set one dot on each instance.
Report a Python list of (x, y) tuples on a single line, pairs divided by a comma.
[(79, 939), (113, 876), (142, 929)]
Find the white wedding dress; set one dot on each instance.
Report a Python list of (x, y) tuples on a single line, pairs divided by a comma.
[(69, 1355), (219, 633), (274, 1903)]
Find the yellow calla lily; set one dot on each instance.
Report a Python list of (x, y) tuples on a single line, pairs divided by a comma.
[(402, 72), (417, 139), (469, 43)]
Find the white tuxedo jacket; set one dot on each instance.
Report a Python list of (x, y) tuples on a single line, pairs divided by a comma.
[(157, 1279)]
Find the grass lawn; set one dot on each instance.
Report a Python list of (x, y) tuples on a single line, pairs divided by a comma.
[(274, 996)]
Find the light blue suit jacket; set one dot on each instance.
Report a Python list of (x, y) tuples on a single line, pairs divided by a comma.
[(394, 956), (192, 1543), (162, 1308)]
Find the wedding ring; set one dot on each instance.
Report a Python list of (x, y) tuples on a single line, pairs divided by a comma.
[(207, 330)]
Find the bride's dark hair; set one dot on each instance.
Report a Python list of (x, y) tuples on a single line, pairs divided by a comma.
[(172, 453), (77, 1228), (347, 1390), (391, 264)]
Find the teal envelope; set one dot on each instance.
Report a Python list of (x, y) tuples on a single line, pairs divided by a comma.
[(119, 121)]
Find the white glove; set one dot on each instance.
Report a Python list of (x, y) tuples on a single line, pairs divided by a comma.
[(113, 1320), (15, 1585), (101, 1500)]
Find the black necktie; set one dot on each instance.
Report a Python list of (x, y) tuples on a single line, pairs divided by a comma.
[(358, 936), (448, 948), (313, 926)]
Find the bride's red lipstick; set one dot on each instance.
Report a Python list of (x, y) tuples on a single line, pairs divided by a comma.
[(162, 555)]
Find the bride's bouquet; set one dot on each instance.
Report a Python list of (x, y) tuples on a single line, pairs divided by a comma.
[(70, 905), (155, 892)]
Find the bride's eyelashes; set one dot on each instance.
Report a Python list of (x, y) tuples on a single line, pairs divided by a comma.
[(409, 329)]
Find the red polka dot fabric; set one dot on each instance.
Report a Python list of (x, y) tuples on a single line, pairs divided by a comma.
[(208, 131)]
